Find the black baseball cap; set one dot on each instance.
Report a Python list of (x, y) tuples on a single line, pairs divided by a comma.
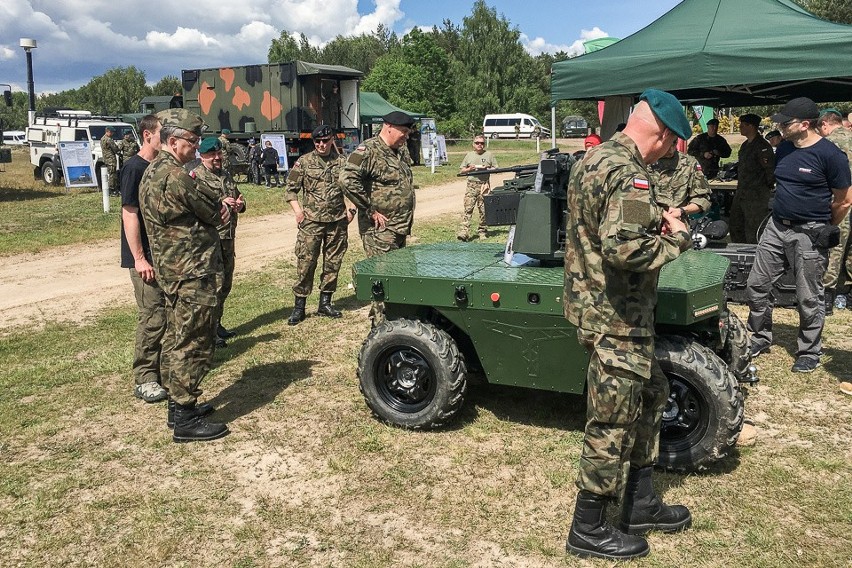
[(802, 108)]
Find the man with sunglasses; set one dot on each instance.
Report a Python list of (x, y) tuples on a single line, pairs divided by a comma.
[(323, 220), (478, 186), (811, 197), (181, 218)]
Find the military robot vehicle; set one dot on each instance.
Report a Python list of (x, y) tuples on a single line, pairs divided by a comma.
[(476, 307)]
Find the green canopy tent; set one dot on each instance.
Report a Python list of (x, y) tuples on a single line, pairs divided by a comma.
[(720, 53), (374, 107)]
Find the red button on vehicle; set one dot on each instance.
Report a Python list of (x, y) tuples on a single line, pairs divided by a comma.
[(495, 296)]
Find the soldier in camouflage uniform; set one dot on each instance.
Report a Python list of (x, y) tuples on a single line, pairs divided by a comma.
[(755, 180), (378, 180), (680, 185), (830, 126), (478, 186), (210, 173), (617, 241), (129, 147), (181, 218), (226, 149), (110, 152), (323, 219)]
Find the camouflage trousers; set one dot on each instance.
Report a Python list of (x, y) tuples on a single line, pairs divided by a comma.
[(150, 327), (332, 240), (746, 215), (839, 260), (381, 241), (473, 198), (188, 343), (112, 176), (229, 258), (627, 393)]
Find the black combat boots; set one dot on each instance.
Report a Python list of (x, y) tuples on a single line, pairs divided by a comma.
[(325, 308), (592, 535), (222, 332), (643, 509), (200, 410), (298, 311), (829, 301), (190, 426)]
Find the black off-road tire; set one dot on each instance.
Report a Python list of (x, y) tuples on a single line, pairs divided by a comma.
[(736, 352), (412, 374), (238, 154), (49, 173), (704, 414)]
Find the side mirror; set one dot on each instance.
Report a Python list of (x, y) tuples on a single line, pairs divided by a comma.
[(7, 96)]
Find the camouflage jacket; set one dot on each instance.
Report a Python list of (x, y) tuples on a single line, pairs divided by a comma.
[(316, 178), (109, 150), (226, 151), (377, 178), (223, 184), (181, 219), (842, 138), (613, 246), (755, 170), (679, 181), (129, 148), (486, 159)]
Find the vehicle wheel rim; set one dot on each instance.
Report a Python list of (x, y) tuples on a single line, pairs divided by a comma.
[(405, 380), (685, 417)]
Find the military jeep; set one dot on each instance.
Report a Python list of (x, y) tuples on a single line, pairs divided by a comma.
[(457, 308)]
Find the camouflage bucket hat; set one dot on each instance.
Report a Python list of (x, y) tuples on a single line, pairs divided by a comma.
[(182, 118)]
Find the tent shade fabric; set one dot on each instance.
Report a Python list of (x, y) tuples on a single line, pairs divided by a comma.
[(719, 53), (374, 107)]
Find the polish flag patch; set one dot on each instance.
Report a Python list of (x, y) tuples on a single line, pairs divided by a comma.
[(640, 183)]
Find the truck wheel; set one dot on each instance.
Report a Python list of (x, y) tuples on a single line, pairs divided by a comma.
[(239, 154), (495, 136), (411, 374), (704, 413), (49, 174), (736, 352)]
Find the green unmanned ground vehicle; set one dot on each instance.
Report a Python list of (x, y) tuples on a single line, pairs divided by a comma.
[(458, 308)]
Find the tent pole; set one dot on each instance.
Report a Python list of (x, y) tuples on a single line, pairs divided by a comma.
[(553, 127)]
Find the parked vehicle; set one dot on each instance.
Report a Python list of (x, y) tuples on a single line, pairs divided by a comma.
[(513, 125), (55, 126), (14, 137), (575, 127)]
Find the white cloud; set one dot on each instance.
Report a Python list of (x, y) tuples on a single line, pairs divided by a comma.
[(183, 39), (7, 53), (539, 45)]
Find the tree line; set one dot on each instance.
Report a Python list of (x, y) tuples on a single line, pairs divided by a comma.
[(456, 73)]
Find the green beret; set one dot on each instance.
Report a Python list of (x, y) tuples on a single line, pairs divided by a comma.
[(826, 111), (182, 118), (226, 131), (669, 110), (209, 145)]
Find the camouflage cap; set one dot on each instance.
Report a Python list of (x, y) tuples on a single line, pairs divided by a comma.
[(668, 109), (182, 118), (210, 144)]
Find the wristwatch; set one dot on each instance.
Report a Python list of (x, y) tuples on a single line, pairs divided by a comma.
[(683, 214)]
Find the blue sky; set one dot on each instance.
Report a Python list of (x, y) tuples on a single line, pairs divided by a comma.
[(80, 39)]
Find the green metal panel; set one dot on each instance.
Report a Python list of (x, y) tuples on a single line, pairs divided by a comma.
[(691, 288)]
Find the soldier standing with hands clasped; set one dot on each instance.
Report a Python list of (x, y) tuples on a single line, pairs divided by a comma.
[(181, 218), (110, 152), (617, 240), (323, 220), (477, 186), (217, 179)]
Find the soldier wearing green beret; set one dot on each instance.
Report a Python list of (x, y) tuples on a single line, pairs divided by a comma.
[(617, 240), (181, 218), (226, 149), (323, 220), (210, 172)]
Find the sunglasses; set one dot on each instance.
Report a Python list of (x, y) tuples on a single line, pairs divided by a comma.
[(322, 141)]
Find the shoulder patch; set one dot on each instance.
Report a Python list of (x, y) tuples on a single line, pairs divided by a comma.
[(355, 158), (635, 212), (192, 174), (361, 148), (641, 183), (698, 166)]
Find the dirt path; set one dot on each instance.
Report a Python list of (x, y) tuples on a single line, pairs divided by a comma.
[(74, 283)]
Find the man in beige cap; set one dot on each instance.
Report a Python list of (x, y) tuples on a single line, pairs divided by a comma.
[(181, 218)]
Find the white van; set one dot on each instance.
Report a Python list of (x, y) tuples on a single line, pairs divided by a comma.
[(504, 126), (14, 137)]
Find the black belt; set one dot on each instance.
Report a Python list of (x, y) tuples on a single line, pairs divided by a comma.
[(793, 224)]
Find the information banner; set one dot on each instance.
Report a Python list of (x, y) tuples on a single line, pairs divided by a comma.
[(280, 144), (78, 167)]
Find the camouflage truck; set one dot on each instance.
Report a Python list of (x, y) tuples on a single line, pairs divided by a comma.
[(460, 310), (276, 98)]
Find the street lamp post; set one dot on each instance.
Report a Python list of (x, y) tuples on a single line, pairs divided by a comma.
[(29, 45)]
